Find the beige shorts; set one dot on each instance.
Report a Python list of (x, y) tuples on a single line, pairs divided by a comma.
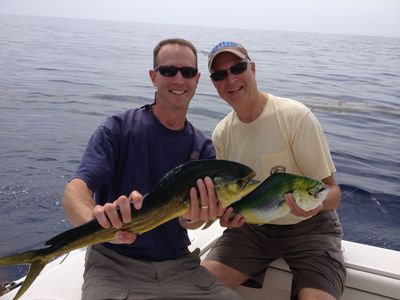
[(311, 248), (109, 275)]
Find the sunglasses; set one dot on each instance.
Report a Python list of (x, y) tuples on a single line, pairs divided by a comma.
[(171, 71), (235, 69)]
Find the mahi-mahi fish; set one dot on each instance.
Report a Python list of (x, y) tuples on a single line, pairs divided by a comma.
[(168, 200), (267, 201)]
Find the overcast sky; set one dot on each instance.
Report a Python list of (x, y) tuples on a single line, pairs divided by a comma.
[(364, 17)]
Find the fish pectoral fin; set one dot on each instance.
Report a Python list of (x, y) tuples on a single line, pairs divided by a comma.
[(208, 224), (35, 269)]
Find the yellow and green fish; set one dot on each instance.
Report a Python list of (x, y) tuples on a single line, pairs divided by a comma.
[(267, 201)]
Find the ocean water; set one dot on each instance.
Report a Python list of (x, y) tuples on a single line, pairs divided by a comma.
[(60, 78)]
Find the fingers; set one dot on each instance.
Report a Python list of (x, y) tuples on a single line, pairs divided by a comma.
[(294, 209), (315, 211), (298, 211), (231, 220), (224, 220), (117, 213), (98, 213), (194, 211), (204, 200), (123, 237), (137, 199), (204, 204), (107, 215), (124, 205), (213, 203)]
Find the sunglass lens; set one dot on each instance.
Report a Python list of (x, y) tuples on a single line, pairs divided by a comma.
[(219, 75), (168, 71), (235, 69), (171, 71), (188, 72), (239, 68)]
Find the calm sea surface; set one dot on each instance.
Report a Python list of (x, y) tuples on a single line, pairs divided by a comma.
[(60, 78)]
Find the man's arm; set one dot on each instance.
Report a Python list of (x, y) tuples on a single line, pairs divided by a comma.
[(78, 202), (332, 200), (80, 207)]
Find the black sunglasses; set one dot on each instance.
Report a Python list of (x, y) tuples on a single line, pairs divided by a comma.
[(171, 71), (235, 69)]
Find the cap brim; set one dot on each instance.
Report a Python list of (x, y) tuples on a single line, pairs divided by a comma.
[(233, 51)]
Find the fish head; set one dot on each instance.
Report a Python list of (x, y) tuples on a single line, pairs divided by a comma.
[(234, 185), (309, 193)]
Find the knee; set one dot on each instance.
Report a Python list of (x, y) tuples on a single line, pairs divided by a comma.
[(228, 276)]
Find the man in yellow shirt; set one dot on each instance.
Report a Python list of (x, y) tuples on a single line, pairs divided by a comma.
[(270, 133)]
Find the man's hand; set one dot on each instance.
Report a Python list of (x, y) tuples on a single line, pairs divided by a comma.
[(299, 212), (227, 220), (204, 205), (118, 213), (207, 207)]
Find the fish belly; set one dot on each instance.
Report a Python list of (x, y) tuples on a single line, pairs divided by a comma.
[(262, 216)]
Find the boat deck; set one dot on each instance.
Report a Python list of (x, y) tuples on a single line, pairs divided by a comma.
[(372, 274)]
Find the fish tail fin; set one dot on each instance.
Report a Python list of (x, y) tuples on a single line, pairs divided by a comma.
[(35, 269), (208, 224), (36, 258)]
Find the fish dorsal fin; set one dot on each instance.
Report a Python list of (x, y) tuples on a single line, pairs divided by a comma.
[(171, 173)]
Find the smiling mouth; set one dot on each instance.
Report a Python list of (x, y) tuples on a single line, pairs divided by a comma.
[(235, 90), (176, 92)]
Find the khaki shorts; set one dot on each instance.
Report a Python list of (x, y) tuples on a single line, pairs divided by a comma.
[(109, 275), (311, 248)]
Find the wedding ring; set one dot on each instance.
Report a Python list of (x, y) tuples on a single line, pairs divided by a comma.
[(204, 206)]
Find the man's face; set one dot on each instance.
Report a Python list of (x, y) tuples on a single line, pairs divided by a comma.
[(239, 79), (175, 91)]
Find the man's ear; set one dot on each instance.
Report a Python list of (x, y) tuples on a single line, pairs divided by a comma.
[(253, 66), (198, 77), (153, 75)]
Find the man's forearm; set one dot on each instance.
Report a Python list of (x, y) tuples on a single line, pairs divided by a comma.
[(333, 198), (78, 202)]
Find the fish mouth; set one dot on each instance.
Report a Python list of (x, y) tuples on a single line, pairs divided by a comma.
[(321, 191), (249, 180), (249, 183)]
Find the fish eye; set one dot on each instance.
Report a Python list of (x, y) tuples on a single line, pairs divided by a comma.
[(217, 180), (185, 199)]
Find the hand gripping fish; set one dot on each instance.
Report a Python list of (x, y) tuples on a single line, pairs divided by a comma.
[(168, 200)]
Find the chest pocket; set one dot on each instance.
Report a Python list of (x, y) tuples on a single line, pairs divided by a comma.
[(279, 161)]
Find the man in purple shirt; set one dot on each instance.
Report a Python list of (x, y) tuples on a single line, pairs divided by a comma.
[(125, 158)]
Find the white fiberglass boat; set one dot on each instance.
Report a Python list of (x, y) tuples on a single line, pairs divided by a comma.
[(372, 274)]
